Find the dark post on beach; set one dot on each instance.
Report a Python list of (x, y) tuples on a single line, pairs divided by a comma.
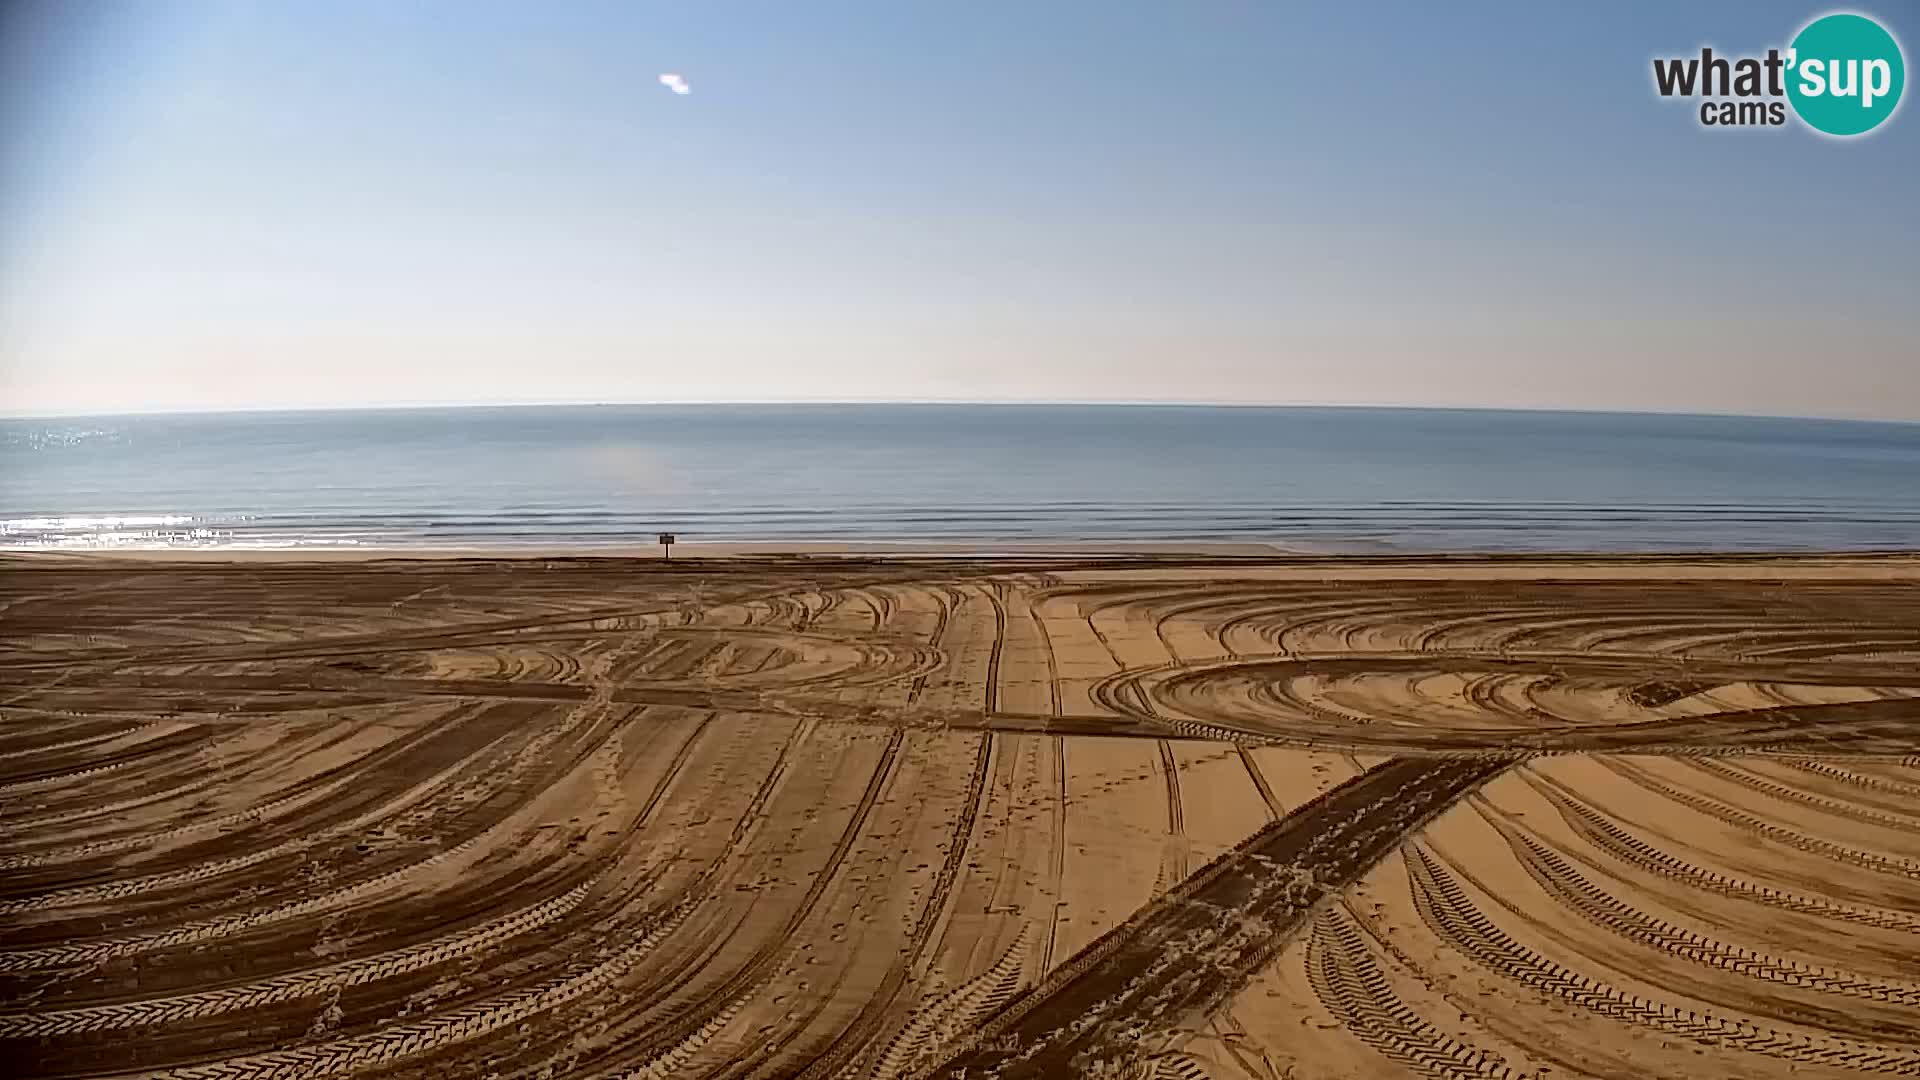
[(666, 543)]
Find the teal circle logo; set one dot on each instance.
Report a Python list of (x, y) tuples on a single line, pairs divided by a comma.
[(1845, 74)]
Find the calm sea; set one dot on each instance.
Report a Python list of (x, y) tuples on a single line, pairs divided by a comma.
[(1314, 479)]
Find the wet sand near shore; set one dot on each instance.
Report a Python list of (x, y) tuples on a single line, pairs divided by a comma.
[(833, 813)]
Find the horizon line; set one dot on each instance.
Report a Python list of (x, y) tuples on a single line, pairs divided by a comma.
[(449, 406)]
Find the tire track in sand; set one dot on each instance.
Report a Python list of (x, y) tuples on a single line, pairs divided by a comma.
[(1176, 955)]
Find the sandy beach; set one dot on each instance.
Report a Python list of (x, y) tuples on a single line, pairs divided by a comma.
[(1116, 811)]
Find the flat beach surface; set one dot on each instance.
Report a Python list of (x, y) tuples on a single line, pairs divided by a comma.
[(1122, 813)]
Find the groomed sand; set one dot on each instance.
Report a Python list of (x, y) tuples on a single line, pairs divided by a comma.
[(1128, 812)]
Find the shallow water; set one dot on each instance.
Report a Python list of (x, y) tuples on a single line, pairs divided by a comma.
[(1310, 478)]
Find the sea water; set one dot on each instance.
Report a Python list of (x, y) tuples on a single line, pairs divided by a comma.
[(1317, 479)]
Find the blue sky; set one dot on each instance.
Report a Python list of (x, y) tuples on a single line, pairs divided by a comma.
[(215, 204)]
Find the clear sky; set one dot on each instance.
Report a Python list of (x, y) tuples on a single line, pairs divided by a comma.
[(210, 204)]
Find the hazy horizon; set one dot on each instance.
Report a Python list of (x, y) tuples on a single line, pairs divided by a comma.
[(228, 206), (935, 403)]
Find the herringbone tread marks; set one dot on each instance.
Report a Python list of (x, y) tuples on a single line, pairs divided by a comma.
[(384, 1047), (935, 1024), (1602, 909), (1630, 850), (1448, 911), (303, 984), (1341, 969), (1812, 845)]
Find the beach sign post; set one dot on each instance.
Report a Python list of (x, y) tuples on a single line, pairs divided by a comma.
[(666, 543)]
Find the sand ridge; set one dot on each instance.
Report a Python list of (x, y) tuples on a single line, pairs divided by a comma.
[(865, 817)]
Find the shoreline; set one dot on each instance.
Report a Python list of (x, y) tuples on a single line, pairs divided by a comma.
[(1252, 559), (711, 549), (972, 547)]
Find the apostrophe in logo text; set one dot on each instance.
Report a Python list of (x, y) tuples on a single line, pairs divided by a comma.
[(1841, 75)]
